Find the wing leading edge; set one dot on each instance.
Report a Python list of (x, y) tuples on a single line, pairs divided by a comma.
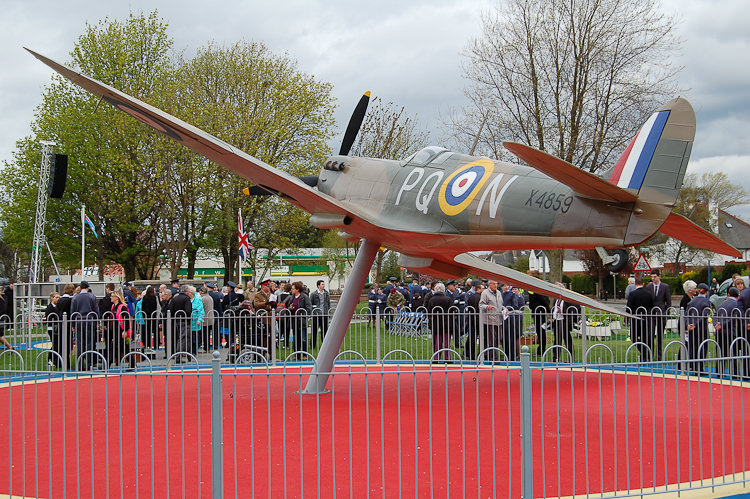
[(205, 144), (516, 278)]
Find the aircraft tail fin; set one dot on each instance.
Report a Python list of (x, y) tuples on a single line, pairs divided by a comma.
[(653, 166), (654, 163)]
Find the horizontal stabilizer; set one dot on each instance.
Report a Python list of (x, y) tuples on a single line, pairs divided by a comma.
[(504, 274), (583, 183), (681, 228)]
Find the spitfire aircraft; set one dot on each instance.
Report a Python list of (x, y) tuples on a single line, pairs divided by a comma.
[(437, 206)]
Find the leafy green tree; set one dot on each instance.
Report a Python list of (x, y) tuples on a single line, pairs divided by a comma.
[(111, 156), (261, 103), (391, 267)]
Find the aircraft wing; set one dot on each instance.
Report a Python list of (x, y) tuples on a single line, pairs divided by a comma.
[(504, 274), (583, 183), (216, 150), (684, 229)]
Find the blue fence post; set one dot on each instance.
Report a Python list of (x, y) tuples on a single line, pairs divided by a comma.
[(216, 433), (527, 449)]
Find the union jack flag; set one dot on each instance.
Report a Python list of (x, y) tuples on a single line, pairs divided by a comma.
[(242, 237)]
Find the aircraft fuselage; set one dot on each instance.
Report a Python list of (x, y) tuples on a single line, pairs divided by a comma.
[(472, 203)]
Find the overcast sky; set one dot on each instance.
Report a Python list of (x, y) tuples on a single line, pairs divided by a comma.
[(405, 52)]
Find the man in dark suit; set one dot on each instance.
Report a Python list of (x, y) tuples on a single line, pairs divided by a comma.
[(217, 312), (696, 319), (564, 316), (181, 310), (539, 305), (321, 302), (84, 310), (728, 326), (441, 322), (662, 301), (472, 319), (512, 327), (231, 319), (455, 310), (640, 304)]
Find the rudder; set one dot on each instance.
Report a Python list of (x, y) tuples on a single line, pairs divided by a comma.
[(654, 163), (654, 166)]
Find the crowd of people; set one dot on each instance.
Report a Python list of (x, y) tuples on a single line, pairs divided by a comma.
[(650, 303), (180, 319), (453, 313)]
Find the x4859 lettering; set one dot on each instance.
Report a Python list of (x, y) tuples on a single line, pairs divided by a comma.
[(549, 201)]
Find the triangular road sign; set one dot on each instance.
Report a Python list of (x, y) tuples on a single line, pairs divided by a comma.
[(642, 264)]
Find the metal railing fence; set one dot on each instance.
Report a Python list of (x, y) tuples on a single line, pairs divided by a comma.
[(587, 336), (487, 429)]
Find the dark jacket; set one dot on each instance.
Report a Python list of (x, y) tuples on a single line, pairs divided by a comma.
[(640, 301), (511, 300), (697, 313), (230, 300), (729, 315), (685, 300), (105, 305), (538, 303), (84, 303), (472, 310), (440, 320), (744, 301), (640, 304), (63, 306), (218, 305), (662, 298), (180, 303), (458, 298), (150, 305), (417, 298), (50, 317), (321, 300), (9, 302), (303, 303)]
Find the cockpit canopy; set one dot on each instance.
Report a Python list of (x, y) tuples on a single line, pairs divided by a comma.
[(425, 156)]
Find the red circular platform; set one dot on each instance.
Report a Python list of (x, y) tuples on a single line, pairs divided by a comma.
[(413, 432)]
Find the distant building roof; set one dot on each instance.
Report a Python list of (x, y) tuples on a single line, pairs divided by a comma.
[(734, 231)]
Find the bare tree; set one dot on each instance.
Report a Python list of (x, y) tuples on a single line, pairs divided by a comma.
[(697, 201), (574, 78)]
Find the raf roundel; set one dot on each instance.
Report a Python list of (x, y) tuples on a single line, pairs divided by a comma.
[(460, 188)]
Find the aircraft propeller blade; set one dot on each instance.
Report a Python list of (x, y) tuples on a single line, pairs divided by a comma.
[(354, 123)]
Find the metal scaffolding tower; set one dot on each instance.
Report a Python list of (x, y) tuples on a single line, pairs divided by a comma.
[(40, 220)]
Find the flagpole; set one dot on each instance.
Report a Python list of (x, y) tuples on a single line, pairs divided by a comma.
[(83, 238), (239, 260)]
